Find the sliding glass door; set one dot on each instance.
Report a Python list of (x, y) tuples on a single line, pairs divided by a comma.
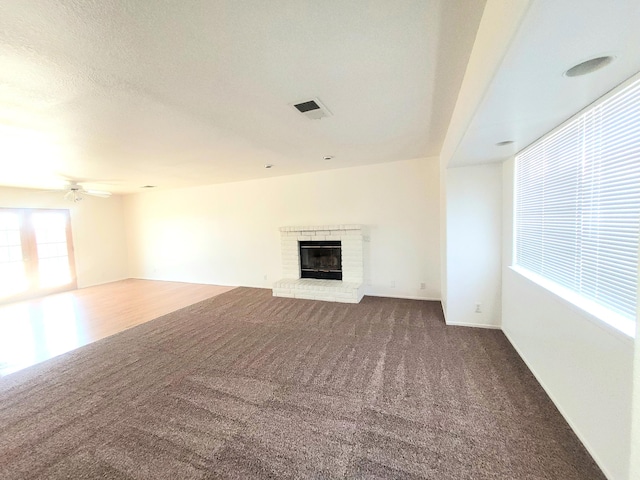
[(36, 253)]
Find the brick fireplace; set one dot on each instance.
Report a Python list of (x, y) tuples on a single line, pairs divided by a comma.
[(348, 290)]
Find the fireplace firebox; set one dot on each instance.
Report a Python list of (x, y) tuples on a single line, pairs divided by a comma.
[(321, 259)]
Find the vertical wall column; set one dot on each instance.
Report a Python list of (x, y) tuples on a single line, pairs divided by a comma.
[(473, 245)]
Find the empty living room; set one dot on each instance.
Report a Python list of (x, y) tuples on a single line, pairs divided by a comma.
[(319, 239)]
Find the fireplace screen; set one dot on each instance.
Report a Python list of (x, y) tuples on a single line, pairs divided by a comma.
[(321, 259)]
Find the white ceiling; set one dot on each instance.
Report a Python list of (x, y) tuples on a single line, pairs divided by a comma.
[(137, 92), (529, 95)]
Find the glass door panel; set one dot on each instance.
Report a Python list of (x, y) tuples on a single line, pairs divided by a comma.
[(53, 250), (13, 272)]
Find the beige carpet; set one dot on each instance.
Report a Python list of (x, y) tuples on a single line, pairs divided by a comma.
[(244, 385)]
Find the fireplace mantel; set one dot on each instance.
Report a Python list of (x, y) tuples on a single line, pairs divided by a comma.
[(347, 290)]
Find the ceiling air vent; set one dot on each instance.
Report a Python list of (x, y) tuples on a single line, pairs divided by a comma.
[(313, 109)]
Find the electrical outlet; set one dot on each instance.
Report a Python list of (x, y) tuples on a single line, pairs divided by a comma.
[(265, 277), (393, 284), (423, 286), (478, 309)]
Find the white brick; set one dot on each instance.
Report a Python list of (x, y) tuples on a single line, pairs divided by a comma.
[(351, 242), (352, 278), (352, 260), (305, 295), (326, 298), (345, 295), (355, 264), (283, 294)]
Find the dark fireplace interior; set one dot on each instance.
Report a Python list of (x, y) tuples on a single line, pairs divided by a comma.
[(321, 259)]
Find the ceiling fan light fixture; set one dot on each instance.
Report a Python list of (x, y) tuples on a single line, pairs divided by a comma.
[(76, 192), (73, 195)]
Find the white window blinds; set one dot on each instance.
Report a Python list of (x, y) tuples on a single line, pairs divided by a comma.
[(577, 204)]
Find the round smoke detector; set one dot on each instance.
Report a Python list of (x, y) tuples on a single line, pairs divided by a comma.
[(589, 66)]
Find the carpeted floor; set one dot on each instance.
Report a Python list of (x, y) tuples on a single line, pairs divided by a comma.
[(245, 385)]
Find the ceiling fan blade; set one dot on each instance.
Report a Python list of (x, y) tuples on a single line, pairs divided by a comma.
[(97, 193)]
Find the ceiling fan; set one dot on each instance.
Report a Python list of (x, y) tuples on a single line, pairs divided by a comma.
[(76, 192)]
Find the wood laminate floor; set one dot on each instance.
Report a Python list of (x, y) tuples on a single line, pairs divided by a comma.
[(36, 330)]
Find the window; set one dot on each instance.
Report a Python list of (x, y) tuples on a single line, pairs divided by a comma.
[(577, 208), (36, 253)]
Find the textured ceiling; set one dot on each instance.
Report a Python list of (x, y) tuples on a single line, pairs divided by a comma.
[(169, 93)]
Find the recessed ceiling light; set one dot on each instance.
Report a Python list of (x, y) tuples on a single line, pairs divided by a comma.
[(506, 142), (268, 165), (589, 66), (327, 157)]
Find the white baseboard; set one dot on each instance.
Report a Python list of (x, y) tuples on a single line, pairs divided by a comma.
[(473, 325), (560, 409), (102, 283), (404, 297)]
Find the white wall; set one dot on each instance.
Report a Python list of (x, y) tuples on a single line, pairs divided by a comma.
[(97, 225), (228, 234), (584, 365), (443, 234), (473, 250), (634, 462)]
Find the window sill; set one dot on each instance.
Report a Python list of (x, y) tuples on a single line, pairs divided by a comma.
[(603, 316)]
